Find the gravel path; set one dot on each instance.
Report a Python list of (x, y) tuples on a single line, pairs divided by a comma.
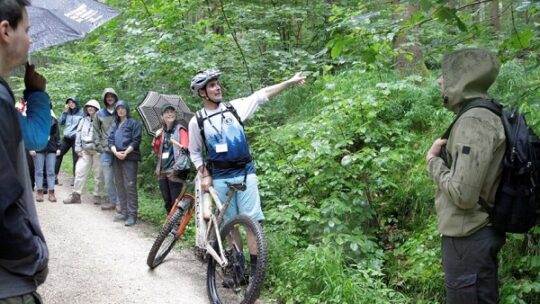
[(95, 260)]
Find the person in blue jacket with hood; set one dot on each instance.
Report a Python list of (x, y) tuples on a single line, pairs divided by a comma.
[(124, 142), (70, 120), (23, 251)]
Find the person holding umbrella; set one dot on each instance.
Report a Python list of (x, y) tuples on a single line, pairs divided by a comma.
[(170, 145), (124, 142), (23, 251)]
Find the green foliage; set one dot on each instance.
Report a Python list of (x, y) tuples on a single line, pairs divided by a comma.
[(341, 160), (335, 283)]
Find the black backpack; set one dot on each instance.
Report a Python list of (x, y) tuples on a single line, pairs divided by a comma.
[(517, 202)]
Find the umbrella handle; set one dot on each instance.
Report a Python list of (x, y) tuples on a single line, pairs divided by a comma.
[(176, 143)]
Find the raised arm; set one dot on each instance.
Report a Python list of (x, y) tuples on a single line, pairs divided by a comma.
[(273, 90), (37, 122)]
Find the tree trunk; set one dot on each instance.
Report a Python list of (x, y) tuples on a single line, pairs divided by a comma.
[(409, 59), (494, 20)]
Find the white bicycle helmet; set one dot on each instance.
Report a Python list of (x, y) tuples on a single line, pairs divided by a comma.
[(200, 79)]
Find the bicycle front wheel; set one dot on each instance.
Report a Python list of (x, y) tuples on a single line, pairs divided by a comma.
[(242, 279), (166, 239)]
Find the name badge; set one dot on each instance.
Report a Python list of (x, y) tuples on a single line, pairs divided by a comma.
[(165, 155), (221, 148)]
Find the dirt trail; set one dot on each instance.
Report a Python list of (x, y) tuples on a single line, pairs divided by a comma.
[(95, 260)]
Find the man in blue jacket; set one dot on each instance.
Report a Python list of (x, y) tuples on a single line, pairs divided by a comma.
[(23, 251)]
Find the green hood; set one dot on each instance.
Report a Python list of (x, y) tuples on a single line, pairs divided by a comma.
[(467, 74)]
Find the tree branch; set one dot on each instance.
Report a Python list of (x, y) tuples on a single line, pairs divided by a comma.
[(233, 34), (148, 13)]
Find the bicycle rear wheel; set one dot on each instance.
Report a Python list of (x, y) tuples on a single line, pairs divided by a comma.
[(167, 237), (239, 281)]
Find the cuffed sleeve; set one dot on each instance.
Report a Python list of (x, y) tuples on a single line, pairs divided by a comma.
[(36, 124)]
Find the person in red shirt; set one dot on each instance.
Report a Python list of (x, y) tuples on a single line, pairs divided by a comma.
[(171, 147)]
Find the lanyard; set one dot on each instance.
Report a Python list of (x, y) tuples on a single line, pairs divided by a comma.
[(220, 132)]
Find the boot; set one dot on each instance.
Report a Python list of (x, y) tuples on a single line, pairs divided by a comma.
[(52, 198), (39, 195), (74, 198)]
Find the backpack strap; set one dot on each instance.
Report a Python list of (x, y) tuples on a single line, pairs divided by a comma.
[(200, 119), (491, 105), (231, 109), (200, 123)]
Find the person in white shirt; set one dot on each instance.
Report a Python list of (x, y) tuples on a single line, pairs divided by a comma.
[(222, 136)]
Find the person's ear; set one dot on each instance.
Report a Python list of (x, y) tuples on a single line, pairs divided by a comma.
[(5, 30), (202, 93)]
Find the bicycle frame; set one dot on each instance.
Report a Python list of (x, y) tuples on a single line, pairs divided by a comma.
[(207, 231)]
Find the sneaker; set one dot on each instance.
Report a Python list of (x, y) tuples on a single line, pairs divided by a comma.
[(74, 198), (119, 217), (108, 206), (130, 221)]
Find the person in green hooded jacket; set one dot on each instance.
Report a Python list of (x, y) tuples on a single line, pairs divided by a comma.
[(471, 170)]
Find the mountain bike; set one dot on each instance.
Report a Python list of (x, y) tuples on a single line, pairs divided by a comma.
[(224, 246)]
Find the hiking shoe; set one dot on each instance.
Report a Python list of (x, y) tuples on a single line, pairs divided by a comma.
[(130, 221), (119, 217), (74, 198), (52, 197), (108, 206), (39, 195)]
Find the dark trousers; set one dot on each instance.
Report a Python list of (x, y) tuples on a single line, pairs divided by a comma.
[(169, 191), (29, 298), (470, 267), (66, 144), (125, 179)]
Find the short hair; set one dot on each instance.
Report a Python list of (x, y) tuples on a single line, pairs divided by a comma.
[(12, 11)]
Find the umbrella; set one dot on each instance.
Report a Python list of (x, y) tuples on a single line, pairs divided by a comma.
[(150, 110), (54, 22)]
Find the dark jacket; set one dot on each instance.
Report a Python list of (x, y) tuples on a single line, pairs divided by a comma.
[(126, 134), (54, 138), (23, 251)]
